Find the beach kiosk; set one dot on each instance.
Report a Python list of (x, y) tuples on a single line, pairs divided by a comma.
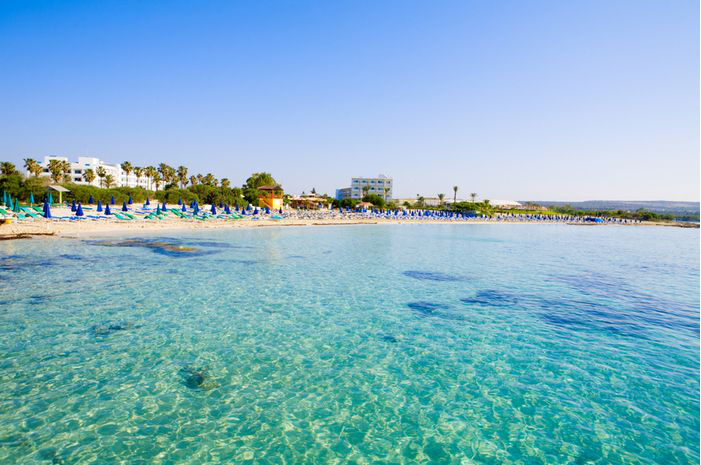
[(270, 196), (60, 190)]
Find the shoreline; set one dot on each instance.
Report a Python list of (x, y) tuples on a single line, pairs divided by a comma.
[(83, 228)]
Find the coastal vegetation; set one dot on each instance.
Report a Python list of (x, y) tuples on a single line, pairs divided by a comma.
[(168, 184)]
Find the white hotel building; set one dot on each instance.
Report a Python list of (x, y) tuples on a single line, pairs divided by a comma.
[(375, 186), (84, 163)]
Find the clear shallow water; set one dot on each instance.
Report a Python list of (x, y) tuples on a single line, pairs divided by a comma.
[(457, 344)]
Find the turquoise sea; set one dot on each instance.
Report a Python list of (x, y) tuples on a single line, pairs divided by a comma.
[(397, 344)]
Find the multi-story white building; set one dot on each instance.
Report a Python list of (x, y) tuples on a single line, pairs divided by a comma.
[(84, 163), (381, 185)]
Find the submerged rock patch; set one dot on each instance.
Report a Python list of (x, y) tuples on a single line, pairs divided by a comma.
[(196, 378), (491, 297), (425, 308), (106, 329), (164, 246), (433, 276)]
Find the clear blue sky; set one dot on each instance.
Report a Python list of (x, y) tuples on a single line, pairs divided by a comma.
[(559, 100)]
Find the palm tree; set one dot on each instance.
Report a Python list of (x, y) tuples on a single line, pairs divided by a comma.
[(7, 168), (138, 172), (440, 198), (182, 176), (386, 193), (127, 168), (150, 172), (366, 189), (56, 170), (32, 166), (89, 176), (157, 178), (66, 167), (167, 173), (200, 179), (101, 173), (109, 181), (193, 180), (455, 194), (420, 201), (210, 180), (474, 196), (225, 183)]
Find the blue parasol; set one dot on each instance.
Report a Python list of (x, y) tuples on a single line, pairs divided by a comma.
[(79, 211), (147, 202), (47, 210), (90, 200), (31, 198), (213, 210), (184, 208), (221, 204), (73, 208), (130, 200), (99, 206), (180, 201), (124, 207), (112, 201), (107, 210)]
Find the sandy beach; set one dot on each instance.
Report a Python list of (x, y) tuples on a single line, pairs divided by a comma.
[(21, 229)]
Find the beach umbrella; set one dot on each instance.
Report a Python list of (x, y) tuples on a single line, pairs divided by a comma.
[(47, 209), (280, 211), (226, 209), (31, 198), (196, 208), (112, 200), (99, 206), (147, 202), (214, 210), (249, 208), (255, 212), (236, 207), (158, 209), (180, 201), (4, 197), (73, 208), (90, 200), (184, 208), (130, 200), (79, 211), (164, 206), (51, 198), (107, 210), (192, 204), (16, 207), (8, 202), (124, 207), (267, 211), (221, 204)]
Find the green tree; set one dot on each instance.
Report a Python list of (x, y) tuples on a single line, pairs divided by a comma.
[(257, 180), (473, 196), (193, 180), (440, 198), (225, 183), (455, 194), (157, 178)]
